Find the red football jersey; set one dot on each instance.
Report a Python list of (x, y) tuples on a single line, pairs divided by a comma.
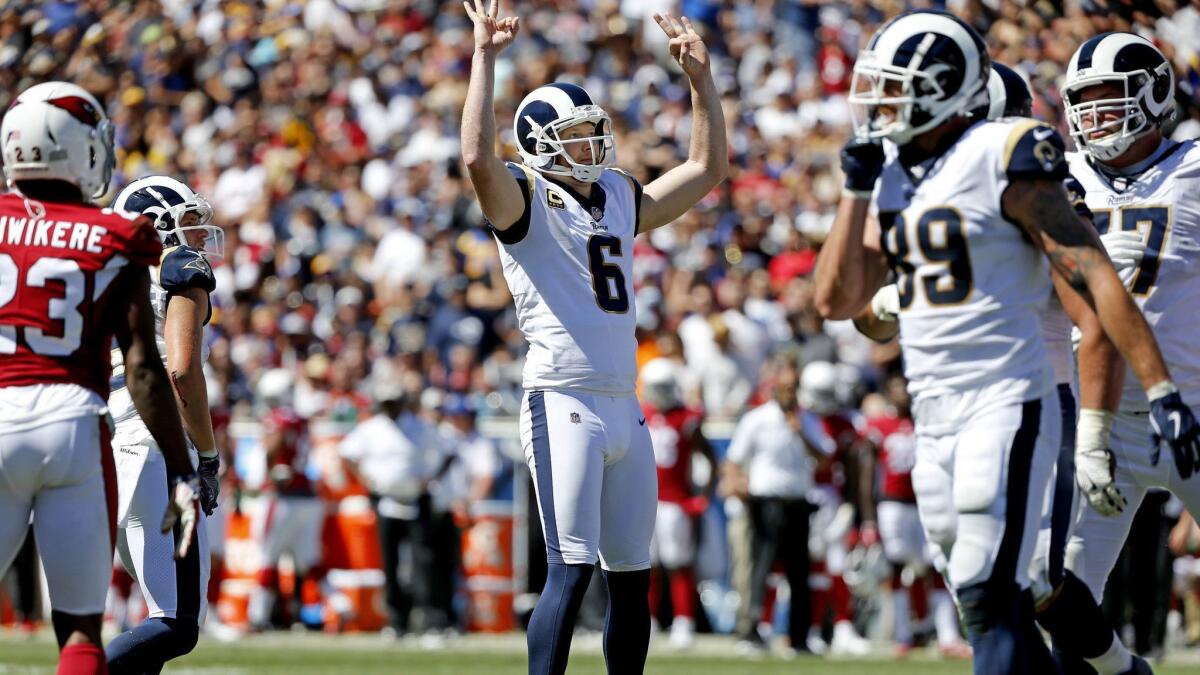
[(671, 435), (290, 463), (58, 307), (841, 431), (897, 445)]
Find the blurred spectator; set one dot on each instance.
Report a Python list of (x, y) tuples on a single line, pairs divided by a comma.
[(474, 466), (290, 516), (391, 467), (773, 448)]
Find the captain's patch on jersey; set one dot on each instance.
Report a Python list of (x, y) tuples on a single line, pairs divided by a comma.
[(555, 200)]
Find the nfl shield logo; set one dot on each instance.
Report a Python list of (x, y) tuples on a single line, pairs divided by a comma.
[(574, 418), (597, 213)]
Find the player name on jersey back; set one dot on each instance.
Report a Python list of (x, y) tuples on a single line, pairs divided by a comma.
[(972, 287), (42, 232), (58, 263)]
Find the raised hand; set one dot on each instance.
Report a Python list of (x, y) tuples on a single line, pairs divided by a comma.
[(491, 33), (685, 44)]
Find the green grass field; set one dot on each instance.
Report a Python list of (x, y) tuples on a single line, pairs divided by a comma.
[(300, 654)]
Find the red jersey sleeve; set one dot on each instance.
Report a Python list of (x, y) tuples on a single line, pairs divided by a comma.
[(135, 239)]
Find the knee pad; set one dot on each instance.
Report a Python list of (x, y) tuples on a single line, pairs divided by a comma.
[(974, 551)]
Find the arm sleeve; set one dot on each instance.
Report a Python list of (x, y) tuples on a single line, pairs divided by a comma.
[(183, 268), (136, 240), (1034, 150), (517, 231)]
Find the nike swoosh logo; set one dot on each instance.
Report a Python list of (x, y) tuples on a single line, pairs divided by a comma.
[(1042, 133), (643, 421), (1177, 419)]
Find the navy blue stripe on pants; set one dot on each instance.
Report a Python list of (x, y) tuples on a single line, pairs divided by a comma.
[(1020, 464), (1062, 508), (543, 474), (187, 579)]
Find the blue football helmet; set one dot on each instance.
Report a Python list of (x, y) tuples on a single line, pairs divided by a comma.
[(167, 200), (549, 110), (1008, 94), (919, 70), (1147, 100)]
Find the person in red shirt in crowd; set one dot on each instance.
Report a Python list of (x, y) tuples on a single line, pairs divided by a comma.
[(676, 434), (73, 277), (888, 503), (291, 518), (834, 519)]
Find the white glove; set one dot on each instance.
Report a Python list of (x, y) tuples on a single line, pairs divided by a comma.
[(1095, 463), (183, 509), (886, 303), (1126, 249)]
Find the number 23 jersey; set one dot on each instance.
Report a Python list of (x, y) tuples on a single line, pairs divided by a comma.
[(1163, 204), (568, 262), (972, 285)]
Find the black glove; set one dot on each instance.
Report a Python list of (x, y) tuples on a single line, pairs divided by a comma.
[(1175, 424), (210, 485), (862, 162)]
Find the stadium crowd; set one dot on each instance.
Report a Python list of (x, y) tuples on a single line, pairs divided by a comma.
[(325, 135)]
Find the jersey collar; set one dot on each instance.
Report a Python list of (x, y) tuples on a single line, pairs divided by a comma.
[(1121, 179)]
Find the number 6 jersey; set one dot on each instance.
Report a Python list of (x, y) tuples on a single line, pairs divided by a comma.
[(568, 263), (972, 285), (1162, 202)]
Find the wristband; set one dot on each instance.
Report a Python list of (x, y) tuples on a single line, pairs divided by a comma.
[(1094, 427), (1164, 388)]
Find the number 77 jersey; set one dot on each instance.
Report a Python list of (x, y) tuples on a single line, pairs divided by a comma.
[(1162, 202), (568, 262), (972, 285)]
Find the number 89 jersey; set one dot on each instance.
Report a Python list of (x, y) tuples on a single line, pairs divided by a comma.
[(972, 286), (568, 262), (1162, 202)]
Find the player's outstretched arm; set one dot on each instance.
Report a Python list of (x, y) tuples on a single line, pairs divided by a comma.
[(851, 266), (151, 392), (499, 195), (183, 332), (1041, 207), (678, 190)]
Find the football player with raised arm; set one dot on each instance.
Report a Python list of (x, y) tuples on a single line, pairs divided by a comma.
[(972, 215), (72, 277), (566, 221), (175, 591), (1062, 603)]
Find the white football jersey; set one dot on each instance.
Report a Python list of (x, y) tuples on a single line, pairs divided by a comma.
[(1163, 203), (973, 288), (180, 268), (569, 265)]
